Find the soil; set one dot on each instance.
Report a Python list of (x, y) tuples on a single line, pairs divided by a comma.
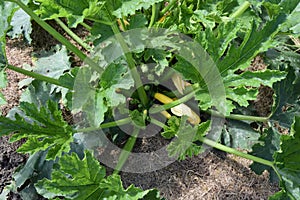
[(214, 175)]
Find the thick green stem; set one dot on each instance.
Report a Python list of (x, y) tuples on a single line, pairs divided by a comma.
[(238, 117), (135, 75), (168, 7), (126, 150), (153, 16), (157, 123), (58, 36), (89, 28), (240, 10), (236, 152), (106, 125), (100, 21), (37, 76), (72, 34)]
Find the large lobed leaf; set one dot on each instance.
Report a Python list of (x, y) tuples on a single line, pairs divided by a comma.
[(270, 144), (287, 104), (255, 41), (85, 179), (6, 11), (75, 11), (239, 135), (21, 25), (129, 7), (240, 88), (287, 161), (185, 137), (216, 44), (95, 100), (44, 129)]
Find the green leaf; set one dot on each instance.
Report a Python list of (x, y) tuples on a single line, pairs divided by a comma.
[(6, 11), (129, 7), (43, 128), (188, 71), (100, 33), (159, 57), (36, 167), (52, 63), (95, 100), (75, 179), (216, 44), (255, 41), (21, 25), (287, 102), (240, 88), (241, 96), (244, 87), (39, 93), (265, 150), (138, 118), (238, 134), (115, 76), (74, 10), (287, 160), (171, 130), (281, 195), (254, 79), (137, 21), (186, 137), (293, 21), (85, 179)]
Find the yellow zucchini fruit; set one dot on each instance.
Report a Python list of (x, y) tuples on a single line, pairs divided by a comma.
[(179, 110)]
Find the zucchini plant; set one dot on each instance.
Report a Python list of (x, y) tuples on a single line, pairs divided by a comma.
[(179, 66)]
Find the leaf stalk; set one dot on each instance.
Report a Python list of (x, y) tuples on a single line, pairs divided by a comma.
[(58, 36), (240, 10), (135, 75), (106, 125), (37, 76), (236, 152), (126, 150), (168, 7), (72, 34)]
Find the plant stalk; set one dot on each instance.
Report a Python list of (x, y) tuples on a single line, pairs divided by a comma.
[(168, 7), (89, 28), (157, 123), (235, 152), (240, 10), (72, 34), (106, 125), (127, 150), (138, 82), (37, 76), (58, 36), (238, 117), (153, 16)]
